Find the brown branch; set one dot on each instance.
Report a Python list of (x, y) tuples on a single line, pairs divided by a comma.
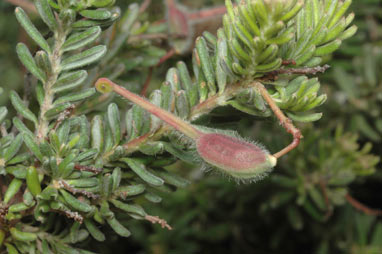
[(301, 71), (326, 198), (88, 169), (212, 12), (144, 6), (63, 115), (156, 219), (163, 59), (289, 62), (284, 121), (73, 190), (155, 36), (167, 56), (363, 208), (74, 215), (147, 82)]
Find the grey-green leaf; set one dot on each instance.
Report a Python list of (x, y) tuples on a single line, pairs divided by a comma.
[(28, 61), (13, 148), (84, 58), (78, 40), (46, 13), (118, 227), (23, 110), (114, 122), (32, 31), (142, 172), (99, 14), (69, 81), (33, 147), (75, 96), (3, 113)]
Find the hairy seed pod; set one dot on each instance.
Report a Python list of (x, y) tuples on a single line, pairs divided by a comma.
[(238, 158)]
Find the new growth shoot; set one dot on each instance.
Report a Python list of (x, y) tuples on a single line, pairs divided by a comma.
[(236, 157)]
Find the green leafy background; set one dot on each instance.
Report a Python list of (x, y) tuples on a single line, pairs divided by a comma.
[(284, 213)]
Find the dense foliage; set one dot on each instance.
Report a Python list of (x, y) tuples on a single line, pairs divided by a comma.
[(80, 171)]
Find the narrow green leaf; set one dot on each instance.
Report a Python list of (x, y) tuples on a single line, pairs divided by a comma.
[(97, 133), (129, 208), (63, 132), (33, 182), (269, 66), (33, 147), (187, 84), (153, 197), (3, 113), (22, 236), (142, 172), (42, 61), (117, 176), (13, 148), (65, 168), (94, 231), (40, 93), (328, 48), (114, 122), (75, 203), (28, 61), (12, 189), (84, 58), (15, 208), (56, 110), (182, 105), (118, 227), (79, 40), (46, 13), (130, 190), (173, 179), (75, 96), (32, 31), (305, 117), (19, 105), (207, 67), (20, 126), (348, 32), (99, 14), (222, 53), (83, 182)]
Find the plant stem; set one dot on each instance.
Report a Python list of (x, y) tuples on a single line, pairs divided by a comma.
[(359, 206), (55, 60), (164, 115), (284, 121)]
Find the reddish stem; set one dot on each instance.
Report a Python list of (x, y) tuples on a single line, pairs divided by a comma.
[(363, 208), (220, 10), (284, 121), (147, 82), (164, 115), (167, 56)]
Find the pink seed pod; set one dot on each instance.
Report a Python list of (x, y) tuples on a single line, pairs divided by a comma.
[(238, 158), (234, 156)]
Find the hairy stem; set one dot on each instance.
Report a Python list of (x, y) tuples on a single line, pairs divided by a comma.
[(55, 60), (164, 115), (284, 121)]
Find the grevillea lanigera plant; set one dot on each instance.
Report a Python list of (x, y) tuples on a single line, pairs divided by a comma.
[(70, 170)]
